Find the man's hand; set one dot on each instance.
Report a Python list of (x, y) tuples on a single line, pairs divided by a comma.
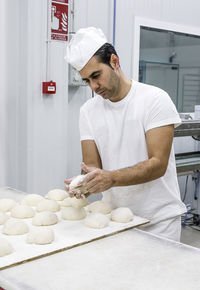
[(96, 180), (77, 192), (67, 182)]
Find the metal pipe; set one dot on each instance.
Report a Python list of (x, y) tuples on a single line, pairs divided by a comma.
[(114, 21)]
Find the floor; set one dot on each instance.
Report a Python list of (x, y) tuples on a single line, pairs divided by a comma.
[(190, 236)]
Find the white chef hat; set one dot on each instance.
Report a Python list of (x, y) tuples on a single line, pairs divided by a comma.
[(83, 46)]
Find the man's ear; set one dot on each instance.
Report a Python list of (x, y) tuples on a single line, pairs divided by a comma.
[(114, 61)]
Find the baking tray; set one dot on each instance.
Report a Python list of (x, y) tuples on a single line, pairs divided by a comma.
[(68, 234)]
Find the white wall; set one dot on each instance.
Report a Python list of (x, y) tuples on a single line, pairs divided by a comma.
[(47, 115), (37, 124), (3, 97)]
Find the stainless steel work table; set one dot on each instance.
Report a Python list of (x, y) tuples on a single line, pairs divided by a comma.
[(129, 260)]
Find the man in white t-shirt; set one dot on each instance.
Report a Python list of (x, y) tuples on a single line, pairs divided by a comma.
[(126, 137)]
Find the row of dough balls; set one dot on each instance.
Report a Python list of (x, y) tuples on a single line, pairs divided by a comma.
[(36, 235), (39, 236), (46, 218), (69, 213), (97, 217), (52, 201)]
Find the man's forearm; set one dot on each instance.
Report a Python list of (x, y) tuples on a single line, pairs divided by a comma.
[(142, 172), (98, 180)]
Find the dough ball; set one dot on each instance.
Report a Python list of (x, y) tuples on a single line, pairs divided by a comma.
[(75, 182), (57, 194), (45, 218), (66, 202), (32, 199), (14, 227), (22, 211), (6, 204), (73, 213), (81, 202), (122, 215), (40, 236), (5, 247), (99, 206), (3, 218), (48, 205), (74, 202), (96, 220)]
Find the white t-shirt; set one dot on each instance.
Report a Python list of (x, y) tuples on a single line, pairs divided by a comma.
[(118, 129)]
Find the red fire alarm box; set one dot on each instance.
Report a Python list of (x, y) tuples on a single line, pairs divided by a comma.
[(49, 87)]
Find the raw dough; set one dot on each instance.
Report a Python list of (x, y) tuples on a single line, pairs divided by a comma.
[(75, 182), (32, 199), (74, 202), (3, 218), (14, 227), (73, 213), (5, 247), (48, 205), (96, 220), (66, 202), (45, 218), (22, 211), (99, 206), (40, 236), (57, 194), (122, 215), (81, 202), (6, 204)]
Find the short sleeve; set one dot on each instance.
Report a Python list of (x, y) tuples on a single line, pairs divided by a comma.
[(85, 126), (161, 111)]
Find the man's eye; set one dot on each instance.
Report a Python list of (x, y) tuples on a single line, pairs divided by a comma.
[(96, 76)]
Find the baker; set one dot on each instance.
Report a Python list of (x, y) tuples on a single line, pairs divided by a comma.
[(126, 135)]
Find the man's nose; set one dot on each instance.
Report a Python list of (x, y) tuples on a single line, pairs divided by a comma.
[(94, 85)]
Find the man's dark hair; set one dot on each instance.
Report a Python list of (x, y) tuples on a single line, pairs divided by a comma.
[(104, 53)]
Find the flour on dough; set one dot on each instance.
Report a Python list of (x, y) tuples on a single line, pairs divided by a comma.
[(96, 220), (99, 206), (40, 236), (3, 217), (48, 205), (6, 204), (122, 215), (73, 213), (57, 194), (15, 227), (74, 202), (5, 247), (32, 199), (81, 202), (45, 218), (22, 211), (75, 182), (66, 202)]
